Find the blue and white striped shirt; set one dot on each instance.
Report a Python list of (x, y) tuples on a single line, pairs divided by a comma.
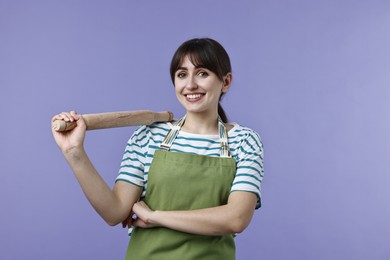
[(245, 146)]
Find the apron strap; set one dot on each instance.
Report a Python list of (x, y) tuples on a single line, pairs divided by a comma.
[(223, 138), (174, 131)]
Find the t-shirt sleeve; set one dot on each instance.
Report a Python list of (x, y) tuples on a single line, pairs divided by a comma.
[(250, 168), (132, 165)]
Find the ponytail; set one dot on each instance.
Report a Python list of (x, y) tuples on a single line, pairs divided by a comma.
[(222, 113)]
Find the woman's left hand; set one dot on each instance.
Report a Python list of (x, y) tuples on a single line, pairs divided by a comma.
[(143, 213)]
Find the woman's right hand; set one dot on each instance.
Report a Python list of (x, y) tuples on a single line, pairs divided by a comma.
[(73, 139)]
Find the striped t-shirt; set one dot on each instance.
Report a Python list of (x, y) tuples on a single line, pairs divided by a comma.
[(245, 146)]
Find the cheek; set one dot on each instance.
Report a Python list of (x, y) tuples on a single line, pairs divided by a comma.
[(177, 91), (178, 88)]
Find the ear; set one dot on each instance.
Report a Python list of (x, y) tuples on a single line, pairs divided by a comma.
[(227, 81)]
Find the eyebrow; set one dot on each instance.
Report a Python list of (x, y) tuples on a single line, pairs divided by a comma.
[(196, 67)]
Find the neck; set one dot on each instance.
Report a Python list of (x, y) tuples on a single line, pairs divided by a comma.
[(198, 123)]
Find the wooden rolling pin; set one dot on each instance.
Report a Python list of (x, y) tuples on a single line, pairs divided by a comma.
[(115, 119)]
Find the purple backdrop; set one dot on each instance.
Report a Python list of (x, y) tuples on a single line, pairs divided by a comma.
[(312, 77)]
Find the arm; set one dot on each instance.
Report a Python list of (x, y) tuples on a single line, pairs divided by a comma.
[(231, 218), (112, 205)]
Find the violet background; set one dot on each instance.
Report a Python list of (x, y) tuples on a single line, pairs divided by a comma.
[(312, 77)]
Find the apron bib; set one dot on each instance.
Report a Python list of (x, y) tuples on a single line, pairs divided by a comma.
[(183, 181)]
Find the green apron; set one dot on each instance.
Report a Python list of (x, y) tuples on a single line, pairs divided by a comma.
[(183, 181)]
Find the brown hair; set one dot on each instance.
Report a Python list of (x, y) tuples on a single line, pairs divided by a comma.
[(206, 53)]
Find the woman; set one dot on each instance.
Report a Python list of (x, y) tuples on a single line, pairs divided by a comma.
[(192, 184)]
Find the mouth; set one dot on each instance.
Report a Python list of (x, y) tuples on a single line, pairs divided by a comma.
[(194, 97)]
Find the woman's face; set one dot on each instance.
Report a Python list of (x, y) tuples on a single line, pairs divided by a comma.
[(198, 89)]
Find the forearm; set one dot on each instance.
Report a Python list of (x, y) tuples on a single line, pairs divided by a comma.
[(211, 221), (98, 193), (231, 218)]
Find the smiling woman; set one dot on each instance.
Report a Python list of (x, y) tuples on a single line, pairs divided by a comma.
[(199, 89), (192, 184), (204, 56)]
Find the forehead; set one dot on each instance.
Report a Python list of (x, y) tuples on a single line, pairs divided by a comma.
[(189, 62)]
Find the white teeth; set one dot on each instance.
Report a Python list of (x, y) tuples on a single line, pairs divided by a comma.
[(194, 96)]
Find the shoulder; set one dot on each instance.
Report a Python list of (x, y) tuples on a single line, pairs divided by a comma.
[(163, 126), (147, 138), (243, 132), (245, 140), (153, 129)]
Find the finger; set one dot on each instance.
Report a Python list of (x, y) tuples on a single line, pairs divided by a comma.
[(75, 115), (129, 222), (141, 203), (72, 116), (57, 117), (125, 223), (139, 223), (66, 116), (142, 224)]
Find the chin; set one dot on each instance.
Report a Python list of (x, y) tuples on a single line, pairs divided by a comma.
[(193, 110)]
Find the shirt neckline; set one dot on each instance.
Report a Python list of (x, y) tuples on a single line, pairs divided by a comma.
[(184, 133)]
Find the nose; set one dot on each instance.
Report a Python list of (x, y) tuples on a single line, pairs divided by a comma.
[(191, 83)]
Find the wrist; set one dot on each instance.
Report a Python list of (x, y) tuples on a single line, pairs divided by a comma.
[(155, 218), (73, 153)]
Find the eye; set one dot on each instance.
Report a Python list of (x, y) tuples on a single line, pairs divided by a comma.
[(180, 75), (203, 74)]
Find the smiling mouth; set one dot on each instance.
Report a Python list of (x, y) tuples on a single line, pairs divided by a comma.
[(194, 97)]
